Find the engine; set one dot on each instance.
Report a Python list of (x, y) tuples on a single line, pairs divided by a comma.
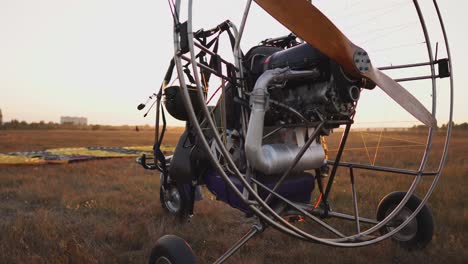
[(294, 90), (328, 94)]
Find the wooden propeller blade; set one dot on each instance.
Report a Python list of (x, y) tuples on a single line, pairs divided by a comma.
[(307, 22), (310, 24), (400, 95)]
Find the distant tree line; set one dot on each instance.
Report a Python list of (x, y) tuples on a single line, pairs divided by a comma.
[(16, 124), (462, 126)]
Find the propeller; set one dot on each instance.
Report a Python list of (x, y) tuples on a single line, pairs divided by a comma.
[(308, 23)]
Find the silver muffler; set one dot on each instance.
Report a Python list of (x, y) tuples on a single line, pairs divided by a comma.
[(276, 158)]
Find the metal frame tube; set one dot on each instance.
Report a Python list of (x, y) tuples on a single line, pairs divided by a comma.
[(355, 205), (344, 137), (381, 168), (198, 45), (403, 66), (238, 61), (352, 218), (249, 235), (301, 210), (407, 79), (185, 58)]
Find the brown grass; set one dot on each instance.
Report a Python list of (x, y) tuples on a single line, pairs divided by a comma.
[(108, 211), (33, 140)]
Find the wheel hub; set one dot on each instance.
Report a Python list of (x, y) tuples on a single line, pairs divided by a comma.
[(409, 231), (172, 199), (163, 260)]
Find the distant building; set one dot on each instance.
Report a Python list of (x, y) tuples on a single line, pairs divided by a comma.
[(73, 120)]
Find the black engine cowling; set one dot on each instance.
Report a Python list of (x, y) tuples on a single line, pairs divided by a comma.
[(332, 95)]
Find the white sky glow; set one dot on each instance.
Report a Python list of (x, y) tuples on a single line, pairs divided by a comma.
[(101, 58)]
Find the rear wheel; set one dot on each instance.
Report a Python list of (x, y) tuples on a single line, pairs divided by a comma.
[(171, 249), (418, 232), (176, 199)]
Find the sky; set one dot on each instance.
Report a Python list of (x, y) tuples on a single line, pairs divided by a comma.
[(101, 58)]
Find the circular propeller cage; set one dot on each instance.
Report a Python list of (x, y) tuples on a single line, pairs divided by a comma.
[(260, 207)]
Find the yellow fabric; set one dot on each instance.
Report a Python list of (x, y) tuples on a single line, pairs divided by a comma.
[(87, 152), (149, 148), (16, 160), (140, 148)]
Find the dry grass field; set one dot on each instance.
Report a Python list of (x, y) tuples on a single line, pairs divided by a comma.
[(108, 211)]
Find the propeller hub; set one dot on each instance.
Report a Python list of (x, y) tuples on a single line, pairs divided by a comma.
[(362, 60)]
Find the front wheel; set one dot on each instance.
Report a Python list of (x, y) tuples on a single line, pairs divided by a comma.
[(171, 249), (418, 232)]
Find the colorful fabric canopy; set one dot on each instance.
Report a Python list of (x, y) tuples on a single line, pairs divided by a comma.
[(67, 155)]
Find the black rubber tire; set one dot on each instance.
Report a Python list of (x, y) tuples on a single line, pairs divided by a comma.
[(424, 220), (173, 249), (184, 192)]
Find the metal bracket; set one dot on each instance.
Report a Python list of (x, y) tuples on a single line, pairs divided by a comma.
[(444, 68)]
